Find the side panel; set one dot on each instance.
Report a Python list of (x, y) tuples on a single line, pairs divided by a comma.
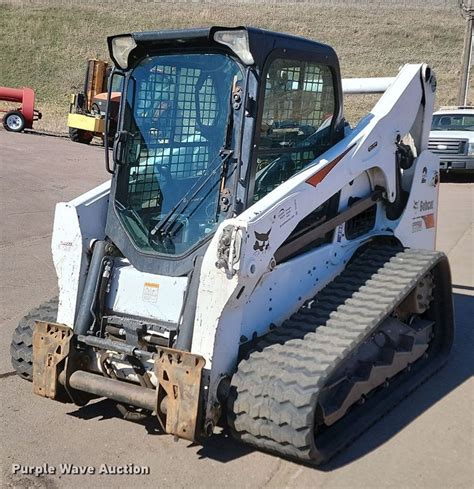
[(284, 290), (417, 225), (76, 223)]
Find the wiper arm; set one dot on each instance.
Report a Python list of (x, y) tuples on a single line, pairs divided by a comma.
[(187, 198)]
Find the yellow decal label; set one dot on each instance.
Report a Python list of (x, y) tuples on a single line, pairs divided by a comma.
[(150, 292)]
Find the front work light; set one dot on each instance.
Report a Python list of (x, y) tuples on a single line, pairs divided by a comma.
[(238, 41), (121, 48)]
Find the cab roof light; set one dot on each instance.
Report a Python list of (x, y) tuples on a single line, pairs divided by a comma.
[(121, 48), (238, 41)]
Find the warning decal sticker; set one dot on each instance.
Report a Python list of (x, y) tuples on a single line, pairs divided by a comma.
[(150, 292)]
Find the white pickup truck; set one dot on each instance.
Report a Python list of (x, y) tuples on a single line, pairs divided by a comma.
[(452, 138)]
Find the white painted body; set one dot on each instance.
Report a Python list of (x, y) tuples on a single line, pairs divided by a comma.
[(249, 296), (76, 223), (220, 316)]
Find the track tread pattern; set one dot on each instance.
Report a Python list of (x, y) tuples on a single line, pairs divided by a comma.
[(21, 347), (275, 389)]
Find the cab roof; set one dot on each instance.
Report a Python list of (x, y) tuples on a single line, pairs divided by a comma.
[(261, 42)]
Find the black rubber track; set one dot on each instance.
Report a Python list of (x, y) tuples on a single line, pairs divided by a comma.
[(21, 348), (274, 393)]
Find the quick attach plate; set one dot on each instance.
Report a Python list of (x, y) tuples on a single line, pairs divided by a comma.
[(179, 376), (51, 343)]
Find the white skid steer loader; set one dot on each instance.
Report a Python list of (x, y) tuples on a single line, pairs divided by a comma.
[(254, 261)]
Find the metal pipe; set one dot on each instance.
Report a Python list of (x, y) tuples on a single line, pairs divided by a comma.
[(11, 94), (117, 390), (104, 344), (84, 317), (366, 85), (149, 338), (115, 330)]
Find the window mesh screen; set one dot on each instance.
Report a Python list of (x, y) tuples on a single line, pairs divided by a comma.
[(166, 114), (287, 166), (296, 121), (298, 98), (175, 124), (172, 107)]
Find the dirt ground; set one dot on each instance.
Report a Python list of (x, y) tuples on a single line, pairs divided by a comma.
[(425, 442)]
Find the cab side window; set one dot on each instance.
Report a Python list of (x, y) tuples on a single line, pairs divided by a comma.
[(296, 127)]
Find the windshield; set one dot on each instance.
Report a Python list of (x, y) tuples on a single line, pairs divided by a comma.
[(178, 109), (453, 122)]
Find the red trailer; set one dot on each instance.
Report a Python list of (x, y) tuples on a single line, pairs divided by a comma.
[(23, 117)]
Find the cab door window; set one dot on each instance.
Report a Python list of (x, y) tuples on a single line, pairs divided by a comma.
[(296, 122)]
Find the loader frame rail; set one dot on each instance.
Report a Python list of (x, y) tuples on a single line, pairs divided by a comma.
[(287, 250)]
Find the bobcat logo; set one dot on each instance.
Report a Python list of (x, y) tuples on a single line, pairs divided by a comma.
[(261, 241), (424, 174)]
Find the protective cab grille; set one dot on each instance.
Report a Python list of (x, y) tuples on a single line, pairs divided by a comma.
[(448, 146)]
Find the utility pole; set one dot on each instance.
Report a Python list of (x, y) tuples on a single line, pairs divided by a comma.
[(467, 11)]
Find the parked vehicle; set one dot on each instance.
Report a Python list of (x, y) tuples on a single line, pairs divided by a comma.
[(452, 138), (21, 118), (87, 109)]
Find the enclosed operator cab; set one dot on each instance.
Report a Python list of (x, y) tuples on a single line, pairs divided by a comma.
[(194, 146)]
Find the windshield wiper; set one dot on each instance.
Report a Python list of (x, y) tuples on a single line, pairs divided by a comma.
[(165, 224)]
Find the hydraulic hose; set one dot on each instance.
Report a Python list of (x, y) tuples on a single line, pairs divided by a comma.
[(84, 316), (185, 332)]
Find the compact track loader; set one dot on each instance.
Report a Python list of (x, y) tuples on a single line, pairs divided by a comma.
[(254, 260)]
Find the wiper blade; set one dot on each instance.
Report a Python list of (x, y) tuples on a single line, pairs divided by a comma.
[(132, 213), (187, 198)]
